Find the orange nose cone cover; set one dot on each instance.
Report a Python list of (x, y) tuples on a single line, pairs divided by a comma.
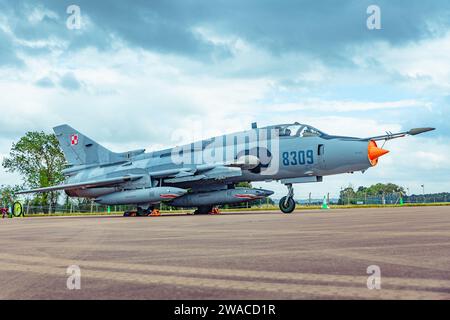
[(375, 152)]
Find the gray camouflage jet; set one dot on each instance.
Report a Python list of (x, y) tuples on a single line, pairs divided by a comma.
[(204, 174)]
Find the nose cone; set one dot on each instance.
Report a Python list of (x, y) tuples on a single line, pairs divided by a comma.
[(264, 192), (180, 191), (374, 152), (172, 193)]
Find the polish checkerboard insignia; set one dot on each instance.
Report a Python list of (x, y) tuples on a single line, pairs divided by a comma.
[(74, 139)]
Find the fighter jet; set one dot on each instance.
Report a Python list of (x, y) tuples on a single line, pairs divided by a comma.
[(204, 174)]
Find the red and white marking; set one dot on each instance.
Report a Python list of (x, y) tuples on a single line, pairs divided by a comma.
[(74, 139), (248, 196), (168, 196)]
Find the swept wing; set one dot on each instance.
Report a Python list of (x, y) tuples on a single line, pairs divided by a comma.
[(86, 184)]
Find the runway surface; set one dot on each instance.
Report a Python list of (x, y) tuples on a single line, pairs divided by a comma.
[(265, 255)]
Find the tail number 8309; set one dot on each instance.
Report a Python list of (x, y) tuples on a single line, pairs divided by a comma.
[(294, 158)]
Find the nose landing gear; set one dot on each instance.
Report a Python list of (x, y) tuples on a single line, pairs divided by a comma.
[(287, 204)]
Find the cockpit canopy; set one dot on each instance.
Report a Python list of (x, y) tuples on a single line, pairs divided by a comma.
[(297, 130)]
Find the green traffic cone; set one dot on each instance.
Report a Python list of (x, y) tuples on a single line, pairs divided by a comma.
[(325, 204)]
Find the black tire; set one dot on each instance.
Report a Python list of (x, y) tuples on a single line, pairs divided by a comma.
[(289, 208), (203, 210), (141, 212)]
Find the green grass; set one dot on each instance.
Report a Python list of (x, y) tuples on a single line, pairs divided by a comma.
[(264, 208), (65, 214), (353, 206)]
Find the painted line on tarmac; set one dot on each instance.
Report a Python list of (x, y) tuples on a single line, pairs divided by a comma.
[(351, 284), (291, 289), (377, 259)]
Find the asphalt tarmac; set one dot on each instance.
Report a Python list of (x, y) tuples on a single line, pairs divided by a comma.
[(263, 255)]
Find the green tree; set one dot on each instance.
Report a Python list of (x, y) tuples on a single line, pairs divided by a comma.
[(7, 195), (244, 184), (347, 195), (380, 189), (39, 159), (361, 189)]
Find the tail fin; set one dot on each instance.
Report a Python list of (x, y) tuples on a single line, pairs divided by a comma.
[(79, 149)]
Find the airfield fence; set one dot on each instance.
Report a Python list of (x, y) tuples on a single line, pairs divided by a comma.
[(395, 198), (313, 201)]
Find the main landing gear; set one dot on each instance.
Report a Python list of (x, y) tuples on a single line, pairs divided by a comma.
[(141, 212), (287, 204), (207, 210)]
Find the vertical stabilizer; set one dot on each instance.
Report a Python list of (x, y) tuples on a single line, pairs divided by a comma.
[(79, 149)]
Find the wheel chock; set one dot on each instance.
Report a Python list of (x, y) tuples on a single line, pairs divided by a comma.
[(215, 211), (155, 213)]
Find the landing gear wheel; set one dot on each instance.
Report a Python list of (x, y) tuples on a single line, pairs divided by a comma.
[(149, 211), (203, 210), (287, 205), (141, 212), (130, 214)]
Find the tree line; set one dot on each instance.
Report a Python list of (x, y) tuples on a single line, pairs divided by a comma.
[(387, 192)]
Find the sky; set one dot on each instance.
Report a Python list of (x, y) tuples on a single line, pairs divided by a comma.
[(154, 74)]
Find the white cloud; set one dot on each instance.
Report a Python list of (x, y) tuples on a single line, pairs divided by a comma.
[(134, 98), (345, 106), (425, 64), (38, 13)]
